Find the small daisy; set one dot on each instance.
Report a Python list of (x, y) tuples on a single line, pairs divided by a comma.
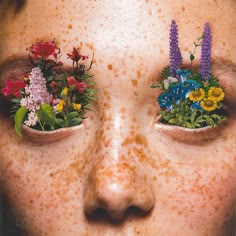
[(208, 104), (216, 93), (196, 95)]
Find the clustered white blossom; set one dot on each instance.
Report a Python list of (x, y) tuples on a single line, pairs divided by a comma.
[(36, 95)]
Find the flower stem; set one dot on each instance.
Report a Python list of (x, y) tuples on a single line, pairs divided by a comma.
[(41, 125)]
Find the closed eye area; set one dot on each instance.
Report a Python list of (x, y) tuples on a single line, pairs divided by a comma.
[(226, 73), (13, 68)]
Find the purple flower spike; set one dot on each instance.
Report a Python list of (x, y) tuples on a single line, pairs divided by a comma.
[(206, 53), (175, 54)]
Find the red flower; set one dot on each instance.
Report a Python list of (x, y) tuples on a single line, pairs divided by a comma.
[(44, 50), (55, 86), (76, 56), (80, 86), (13, 87)]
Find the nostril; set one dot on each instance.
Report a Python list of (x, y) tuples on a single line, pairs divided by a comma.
[(102, 215)]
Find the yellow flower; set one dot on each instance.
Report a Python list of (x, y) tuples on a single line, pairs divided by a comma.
[(197, 95), (208, 104), (65, 91), (60, 105), (216, 93), (76, 106)]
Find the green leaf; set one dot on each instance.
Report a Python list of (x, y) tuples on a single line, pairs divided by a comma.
[(172, 121), (60, 122), (72, 115), (155, 86), (46, 115), (188, 125), (19, 119), (73, 122), (165, 73)]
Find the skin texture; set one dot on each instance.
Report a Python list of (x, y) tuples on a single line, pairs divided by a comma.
[(120, 174)]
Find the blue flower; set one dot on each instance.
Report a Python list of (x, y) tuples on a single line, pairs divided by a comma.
[(178, 91), (183, 74), (192, 85), (165, 100)]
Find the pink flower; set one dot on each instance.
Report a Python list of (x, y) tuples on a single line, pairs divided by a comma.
[(44, 50), (80, 86), (75, 55), (13, 87), (36, 91)]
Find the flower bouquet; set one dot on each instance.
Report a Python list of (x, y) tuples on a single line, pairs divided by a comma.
[(190, 98), (48, 97)]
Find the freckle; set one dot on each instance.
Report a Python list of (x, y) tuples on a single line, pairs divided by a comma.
[(161, 51), (89, 45), (186, 49), (150, 111), (139, 153), (122, 110), (138, 74), (159, 10), (135, 94), (134, 83), (70, 26), (131, 56), (107, 105), (180, 212), (110, 67), (183, 8), (124, 72)]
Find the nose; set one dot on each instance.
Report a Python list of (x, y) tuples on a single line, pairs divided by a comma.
[(116, 191)]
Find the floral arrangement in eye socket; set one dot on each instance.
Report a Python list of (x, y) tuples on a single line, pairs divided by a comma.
[(47, 97), (190, 98)]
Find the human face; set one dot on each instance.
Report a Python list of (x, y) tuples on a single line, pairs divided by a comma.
[(120, 174)]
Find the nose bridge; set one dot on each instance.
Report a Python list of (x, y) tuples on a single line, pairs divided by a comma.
[(116, 182), (112, 167), (114, 126)]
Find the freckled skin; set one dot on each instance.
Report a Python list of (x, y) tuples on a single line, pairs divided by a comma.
[(118, 174)]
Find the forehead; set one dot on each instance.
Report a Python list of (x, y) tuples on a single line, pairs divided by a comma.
[(120, 28)]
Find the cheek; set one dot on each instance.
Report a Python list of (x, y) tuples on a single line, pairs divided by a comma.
[(196, 194), (45, 184), (48, 198)]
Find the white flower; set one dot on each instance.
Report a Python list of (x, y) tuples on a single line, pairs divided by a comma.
[(169, 81), (32, 119)]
